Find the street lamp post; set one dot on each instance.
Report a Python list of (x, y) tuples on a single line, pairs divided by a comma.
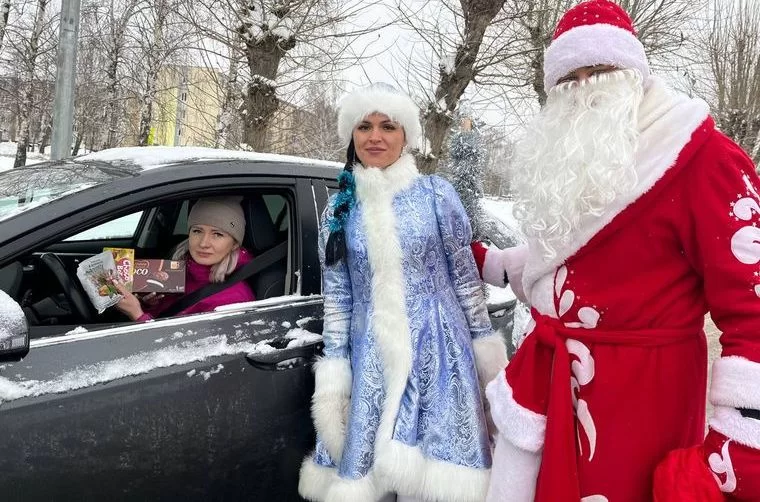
[(65, 79)]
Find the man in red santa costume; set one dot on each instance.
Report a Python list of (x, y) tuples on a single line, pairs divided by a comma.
[(640, 217)]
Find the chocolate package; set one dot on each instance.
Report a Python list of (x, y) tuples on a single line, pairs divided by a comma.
[(125, 265), (158, 276)]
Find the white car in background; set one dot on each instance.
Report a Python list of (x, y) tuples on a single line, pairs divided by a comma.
[(508, 315)]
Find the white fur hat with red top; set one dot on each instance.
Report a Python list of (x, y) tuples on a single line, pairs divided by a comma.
[(592, 33)]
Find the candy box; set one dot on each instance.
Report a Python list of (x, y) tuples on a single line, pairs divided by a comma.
[(158, 276)]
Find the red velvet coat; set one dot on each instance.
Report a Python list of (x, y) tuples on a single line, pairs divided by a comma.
[(613, 374)]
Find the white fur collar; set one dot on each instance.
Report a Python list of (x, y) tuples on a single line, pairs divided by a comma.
[(666, 121), (371, 181)]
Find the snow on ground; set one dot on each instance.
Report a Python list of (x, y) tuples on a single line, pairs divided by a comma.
[(8, 156), (501, 209)]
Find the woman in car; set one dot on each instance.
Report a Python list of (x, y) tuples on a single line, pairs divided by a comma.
[(212, 251), (408, 344)]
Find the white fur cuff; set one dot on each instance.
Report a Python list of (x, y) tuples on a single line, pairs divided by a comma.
[(729, 422), (521, 426), (329, 407), (314, 480), (490, 357), (735, 383)]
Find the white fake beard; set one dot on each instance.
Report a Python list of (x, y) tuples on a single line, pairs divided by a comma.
[(577, 156)]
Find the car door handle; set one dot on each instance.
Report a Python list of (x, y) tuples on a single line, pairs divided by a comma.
[(284, 359)]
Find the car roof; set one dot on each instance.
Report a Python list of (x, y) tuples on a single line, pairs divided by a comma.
[(148, 158)]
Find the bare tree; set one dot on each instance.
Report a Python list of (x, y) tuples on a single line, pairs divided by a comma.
[(28, 60), (310, 129), (732, 46), (465, 37), (120, 13), (271, 45), (90, 102), (5, 10), (230, 103), (160, 37)]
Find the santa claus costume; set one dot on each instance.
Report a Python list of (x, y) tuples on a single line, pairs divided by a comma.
[(611, 379)]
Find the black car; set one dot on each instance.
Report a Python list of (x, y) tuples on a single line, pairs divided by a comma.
[(212, 406)]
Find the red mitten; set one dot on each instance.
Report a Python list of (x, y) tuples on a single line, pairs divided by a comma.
[(735, 466), (479, 251), (683, 476)]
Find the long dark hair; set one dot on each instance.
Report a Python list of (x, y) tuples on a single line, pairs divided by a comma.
[(335, 250)]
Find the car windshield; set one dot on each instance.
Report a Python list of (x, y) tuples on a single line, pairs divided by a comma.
[(22, 189)]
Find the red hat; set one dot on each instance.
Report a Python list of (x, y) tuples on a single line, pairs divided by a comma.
[(592, 33)]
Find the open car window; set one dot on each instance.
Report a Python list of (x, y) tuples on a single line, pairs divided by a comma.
[(153, 233)]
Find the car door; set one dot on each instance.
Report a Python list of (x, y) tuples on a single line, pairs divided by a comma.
[(209, 406)]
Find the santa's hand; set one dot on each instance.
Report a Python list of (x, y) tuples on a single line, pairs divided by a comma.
[(505, 266)]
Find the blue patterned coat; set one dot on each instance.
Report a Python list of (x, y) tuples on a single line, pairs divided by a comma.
[(397, 403)]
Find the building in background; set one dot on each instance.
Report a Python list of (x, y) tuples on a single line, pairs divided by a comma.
[(187, 106)]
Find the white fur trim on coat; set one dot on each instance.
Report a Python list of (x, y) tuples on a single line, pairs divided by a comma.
[(591, 45), (320, 483), (403, 469), (729, 422), (524, 428), (376, 99), (666, 122), (490, 357), (735, 383), (329, 405)]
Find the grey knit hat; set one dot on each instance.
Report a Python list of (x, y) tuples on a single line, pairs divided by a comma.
[(223, 213)]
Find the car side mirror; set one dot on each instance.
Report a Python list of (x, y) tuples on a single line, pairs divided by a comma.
[(14, 329)]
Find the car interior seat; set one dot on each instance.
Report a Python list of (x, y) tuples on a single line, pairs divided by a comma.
[(261, 235), (11, 276)]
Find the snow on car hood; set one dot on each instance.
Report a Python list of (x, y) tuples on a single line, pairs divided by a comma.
[(156, 156)]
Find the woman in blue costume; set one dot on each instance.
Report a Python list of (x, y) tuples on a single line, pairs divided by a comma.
[(398, 405)]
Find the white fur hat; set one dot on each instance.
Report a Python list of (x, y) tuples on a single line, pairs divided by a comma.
[(379, 98), (593, 32)]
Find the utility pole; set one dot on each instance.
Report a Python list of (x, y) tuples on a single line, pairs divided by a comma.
[(65, 80)]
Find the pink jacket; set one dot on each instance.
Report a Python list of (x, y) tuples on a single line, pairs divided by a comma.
[(197, 276)]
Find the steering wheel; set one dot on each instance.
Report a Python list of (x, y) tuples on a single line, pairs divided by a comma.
[(72, 290)]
